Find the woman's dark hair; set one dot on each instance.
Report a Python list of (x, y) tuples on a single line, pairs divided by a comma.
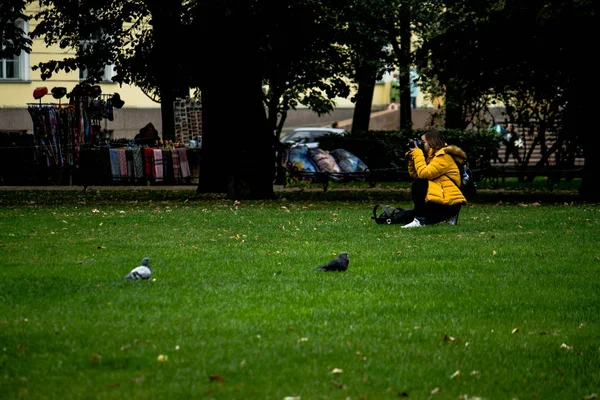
[(435, 139)]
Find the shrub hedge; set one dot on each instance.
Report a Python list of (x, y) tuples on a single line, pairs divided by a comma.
[(387, 149)]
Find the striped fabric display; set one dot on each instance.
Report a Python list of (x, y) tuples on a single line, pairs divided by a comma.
[(123, 164), (183, 161), (138, 164), (158, 165), (129, 158), (148, 163), (114, 164), (176, 165), (167, 166)]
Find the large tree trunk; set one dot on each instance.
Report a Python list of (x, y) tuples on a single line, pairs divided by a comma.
[(366, 76), (454, 114), (582, 124), (581, 110), (166, 21), (237, 155)]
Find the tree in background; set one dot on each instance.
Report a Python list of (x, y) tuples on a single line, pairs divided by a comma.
[(370, 55), (407, 23), (137, 37), (13, 40), (237, 40), (525, 54)]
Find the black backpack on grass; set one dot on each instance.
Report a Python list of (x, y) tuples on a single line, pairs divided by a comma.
[(468, 187), (392, 215)]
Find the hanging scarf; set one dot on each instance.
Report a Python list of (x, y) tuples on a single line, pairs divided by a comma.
[(158, 165), (115, 169)]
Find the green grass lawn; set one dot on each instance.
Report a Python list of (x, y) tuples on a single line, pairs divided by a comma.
[(504, 305)]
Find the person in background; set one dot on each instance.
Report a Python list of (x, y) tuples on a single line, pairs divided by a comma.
[(148, 136), (414, 89), (395, 89), (436, 190), (511, 140)]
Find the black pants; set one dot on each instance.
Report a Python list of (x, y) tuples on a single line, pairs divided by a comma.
[(513, 150), (429, 213)]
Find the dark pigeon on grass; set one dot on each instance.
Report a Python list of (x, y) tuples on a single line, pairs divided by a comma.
[(337, 264), (144, 271)]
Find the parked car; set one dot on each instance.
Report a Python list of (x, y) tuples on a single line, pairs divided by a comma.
[(309, 136)]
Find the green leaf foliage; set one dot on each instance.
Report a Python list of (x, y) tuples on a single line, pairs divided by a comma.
[(387, 149)]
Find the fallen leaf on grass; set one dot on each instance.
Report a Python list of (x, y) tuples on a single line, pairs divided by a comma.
[(590, 397), (216, 378), (337, 384), (567, 347), (162, 358), (304, 339), (96, 358), (292, 398), (437, 390), (113, 385), (453, 339), (516, 330), (337, 371), (125, 347), (456, 374)]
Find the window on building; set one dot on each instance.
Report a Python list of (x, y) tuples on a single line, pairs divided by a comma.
[(16, 68), (108, 71)]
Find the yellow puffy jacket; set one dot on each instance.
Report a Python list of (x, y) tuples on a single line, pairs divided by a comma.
[(441, 171)]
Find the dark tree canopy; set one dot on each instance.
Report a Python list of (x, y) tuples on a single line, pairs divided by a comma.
[(472, 52), (13, 40)]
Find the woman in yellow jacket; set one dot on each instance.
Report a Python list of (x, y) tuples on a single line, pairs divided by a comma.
[(436, 190)]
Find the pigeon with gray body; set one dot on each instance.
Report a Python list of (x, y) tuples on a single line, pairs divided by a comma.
[(337, 264), (144, 271)]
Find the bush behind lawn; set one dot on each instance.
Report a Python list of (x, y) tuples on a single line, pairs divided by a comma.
[(503, 305)]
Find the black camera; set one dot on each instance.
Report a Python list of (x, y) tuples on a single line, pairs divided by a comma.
[(414, 143)]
